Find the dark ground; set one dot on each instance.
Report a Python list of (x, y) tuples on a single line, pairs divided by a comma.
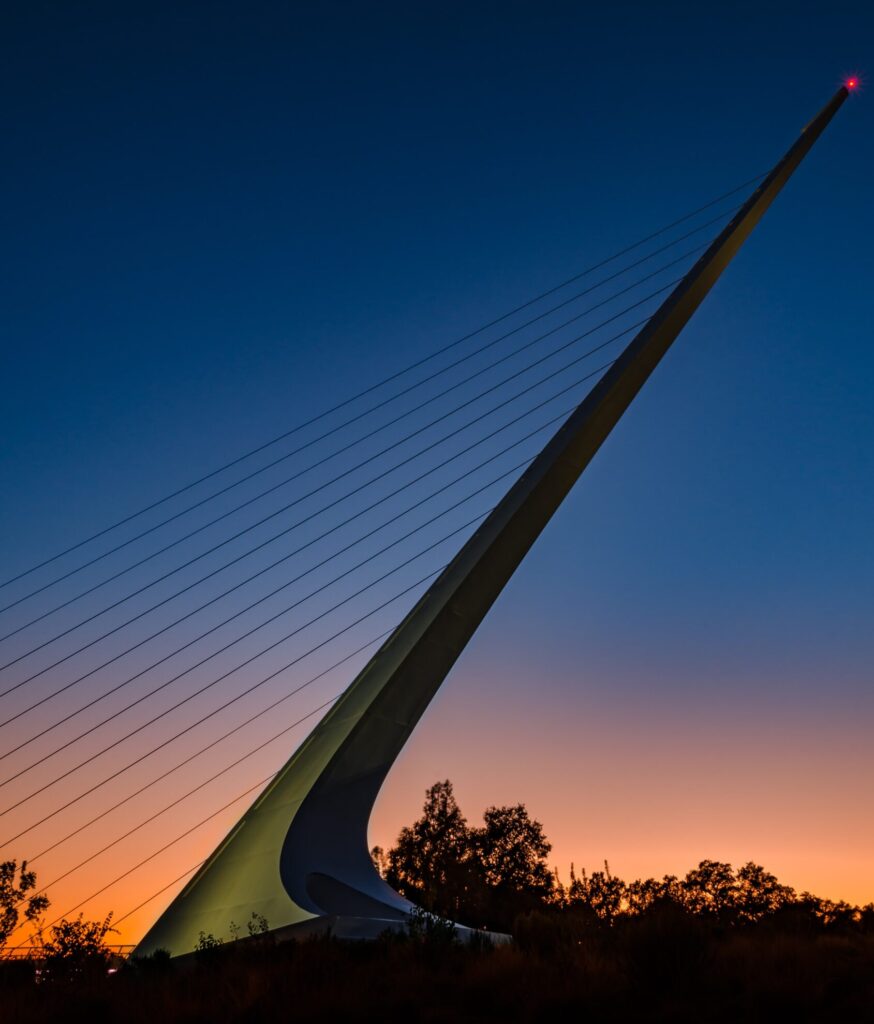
[(661, 967)]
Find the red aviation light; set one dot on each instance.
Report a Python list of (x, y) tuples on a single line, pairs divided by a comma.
[(852, 83)]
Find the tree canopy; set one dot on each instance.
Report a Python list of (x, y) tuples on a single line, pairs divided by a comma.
[(489, 875)]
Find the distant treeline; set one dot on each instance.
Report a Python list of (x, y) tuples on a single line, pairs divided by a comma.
[(492, 875)]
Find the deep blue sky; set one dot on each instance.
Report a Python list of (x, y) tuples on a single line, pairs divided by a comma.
[(221, 218), (217, 214)]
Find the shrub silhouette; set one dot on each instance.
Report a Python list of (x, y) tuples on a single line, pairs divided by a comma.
[(77, 950)]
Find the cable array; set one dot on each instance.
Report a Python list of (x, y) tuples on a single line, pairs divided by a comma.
[(423, 429), (355, 419), (386, 380), (163, 658)]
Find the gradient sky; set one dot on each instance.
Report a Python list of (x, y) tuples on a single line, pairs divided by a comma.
[(221, 219)]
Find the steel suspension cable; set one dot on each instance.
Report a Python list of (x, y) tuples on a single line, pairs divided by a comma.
[(187, 832), (244, 664), (138, 760), (222, 707), (196, 789), (141, 825), (244, 636), (395, 376), (343, 450), (212, 743), (155, 895), (285, 532), (321, 487), (234, 699), (360, 416), (345, 522)]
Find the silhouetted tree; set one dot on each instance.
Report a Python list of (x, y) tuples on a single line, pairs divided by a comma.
[(15, 884), (832, 915), (714, 890), (709, 890), (432, 863), (758, 893), (77, 950), (482, 876), (492, 875), (602, 892), (512, 849), (643, 894)]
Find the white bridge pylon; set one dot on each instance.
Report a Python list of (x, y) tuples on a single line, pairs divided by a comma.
[(299, 855)]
